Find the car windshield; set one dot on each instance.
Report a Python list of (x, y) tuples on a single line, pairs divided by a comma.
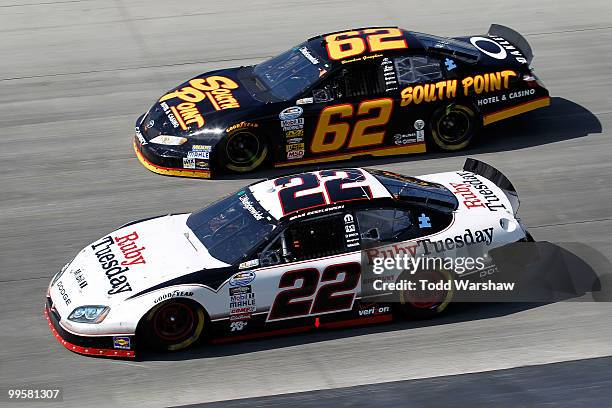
[(231, 227), (291, 72)]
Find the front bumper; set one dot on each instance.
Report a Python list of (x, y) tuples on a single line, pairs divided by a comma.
[(89, 345), (164, 165), (166, 160)]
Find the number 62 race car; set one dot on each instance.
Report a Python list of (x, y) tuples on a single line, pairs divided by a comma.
[(374, 91), (282, 255)]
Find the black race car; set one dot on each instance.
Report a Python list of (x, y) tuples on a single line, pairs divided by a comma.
[(371, 91)]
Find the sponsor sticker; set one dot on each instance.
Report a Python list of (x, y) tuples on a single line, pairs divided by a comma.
[(402, 139), (424, 221), (504, 97), (306, 52), (296, 146), (350, 231), (391, 83), (450, 64), (216, 89), (474, 193), (248, 205), (140, 137), (373, 310), (292, 124), (80, 279), (201, 164), (115, 269), (242, 125), (304, 101), (188, 163), (498, 48), (238, 326), (173, 294), (295, 133), (451, 88), (199, 154), (295, 154), (121, 342), (249, 264), (198, 147)]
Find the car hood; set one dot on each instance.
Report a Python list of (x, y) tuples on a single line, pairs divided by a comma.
[(128, 260), (200, 105)]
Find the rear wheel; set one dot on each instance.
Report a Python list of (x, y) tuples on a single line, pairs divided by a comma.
[(454, 126), (173, 325), (242, 151), (425, 304)]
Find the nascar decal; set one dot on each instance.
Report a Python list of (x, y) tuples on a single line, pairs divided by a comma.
[(242, 279), (293, 112), (447, 89), (114, 269)]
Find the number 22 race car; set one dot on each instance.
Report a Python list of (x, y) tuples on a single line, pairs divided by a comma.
[(374, 91), (282, 255)]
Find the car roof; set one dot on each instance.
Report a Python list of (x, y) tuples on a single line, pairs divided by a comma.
[(377, 185)]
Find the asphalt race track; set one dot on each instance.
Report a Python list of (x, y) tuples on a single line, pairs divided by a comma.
[(74, 76)]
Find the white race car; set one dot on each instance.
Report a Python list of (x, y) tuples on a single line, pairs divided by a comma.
[(281, 255)]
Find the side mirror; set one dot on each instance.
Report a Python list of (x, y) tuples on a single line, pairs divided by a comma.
[(321, 95), (371, 234), (268, 258)]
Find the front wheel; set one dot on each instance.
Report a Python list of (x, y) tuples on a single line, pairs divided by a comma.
[(454, 126), (242, 151), (173, 325)]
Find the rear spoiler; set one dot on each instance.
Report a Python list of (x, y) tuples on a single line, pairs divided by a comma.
[(496, 177), (498, 30)]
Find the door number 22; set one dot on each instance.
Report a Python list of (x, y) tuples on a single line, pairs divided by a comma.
[(309, 298)]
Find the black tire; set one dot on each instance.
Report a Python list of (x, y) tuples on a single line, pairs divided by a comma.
[(454, 126), (242, 151), (173, 325), (419, 305)]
